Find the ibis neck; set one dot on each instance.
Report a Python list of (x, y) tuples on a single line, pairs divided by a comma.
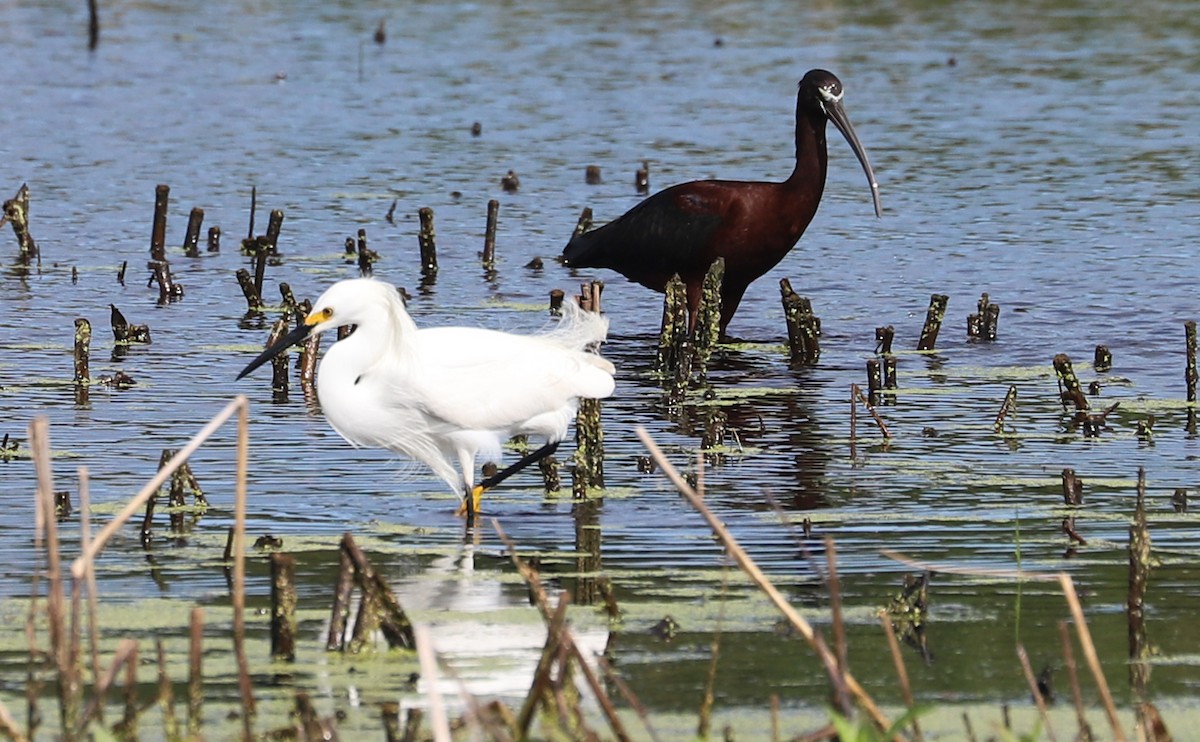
[(812, 157)]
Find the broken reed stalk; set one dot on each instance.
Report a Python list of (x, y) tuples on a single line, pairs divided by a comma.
[(16, 212), (1139, 575), (83, 343), (623, 688), (589, 677), (425, 238), (707, 332), (901, 672), (429, 675), (1033, 689), (195, 687), (840, 649), (1068, 383), (393, 621), (856, 394), (283, 607), (60, 654), (214, 239), (585, 222), (710, 682), (1190, 374), (123, 331), (342, 593), (803, 327), (1009, 404), (983, 325), (1102, 358), (89, 579), (129, 720), (166, 699), (260, 253), (158, 228), (366, 256), (589, 448), (1089, 653), (1064, 635), (249, 707), (764, 583), (1072, 487), (274, 227), (874, 379), (254, 301), (541, 674), (191, 238), (489, 235), (641, 178), (279, 364), (674, 360), (389, 712), (126, 651), (589, 296), (933, 321)]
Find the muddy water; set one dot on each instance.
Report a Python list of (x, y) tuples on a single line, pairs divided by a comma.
[(1045, 157)]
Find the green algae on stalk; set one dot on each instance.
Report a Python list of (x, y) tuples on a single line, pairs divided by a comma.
[(589, 447), (16, 212), (707, 331), (426, 240), (933, 322)]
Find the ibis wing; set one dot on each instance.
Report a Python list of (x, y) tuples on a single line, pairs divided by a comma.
[(667, 233)]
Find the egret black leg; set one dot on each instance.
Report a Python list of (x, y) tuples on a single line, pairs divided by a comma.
[(470, 504), (526, 460)]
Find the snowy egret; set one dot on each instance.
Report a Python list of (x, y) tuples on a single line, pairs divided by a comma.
[(444, 395)]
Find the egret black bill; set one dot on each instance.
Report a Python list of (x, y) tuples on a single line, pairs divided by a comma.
[(298, 335)]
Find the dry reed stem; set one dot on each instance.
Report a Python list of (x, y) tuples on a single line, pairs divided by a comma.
[(89, 577), (774, 717), (8, 726), (529, 574), (856, 390), (747, 564), (125, 648), (195, 685), (60, 654), (1033, 688), (628, 695), (1064, 634), (710, 682), (839, 628), (242, 405), (1011, 574), (901, 671), (151, 488), (429, 673), (541, 675), (1089, 653), (610, 713)]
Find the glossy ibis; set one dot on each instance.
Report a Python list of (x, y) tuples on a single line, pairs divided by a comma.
[(444, 395), (751, 224)]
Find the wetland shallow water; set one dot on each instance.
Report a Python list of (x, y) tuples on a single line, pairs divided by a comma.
[(1046, 157)]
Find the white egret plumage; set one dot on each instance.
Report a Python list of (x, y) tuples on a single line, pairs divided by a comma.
[(447, 395)]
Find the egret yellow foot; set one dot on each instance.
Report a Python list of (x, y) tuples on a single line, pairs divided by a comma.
[(475, 496)]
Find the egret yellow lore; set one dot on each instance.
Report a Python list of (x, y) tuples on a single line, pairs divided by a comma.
[(447, 395)]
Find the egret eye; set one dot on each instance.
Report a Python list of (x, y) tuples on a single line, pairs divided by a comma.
[(326, 313)]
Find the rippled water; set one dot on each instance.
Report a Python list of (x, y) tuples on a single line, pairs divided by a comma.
[(1045, 156)]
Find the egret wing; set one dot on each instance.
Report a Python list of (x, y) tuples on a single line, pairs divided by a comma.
[(487, 380)]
